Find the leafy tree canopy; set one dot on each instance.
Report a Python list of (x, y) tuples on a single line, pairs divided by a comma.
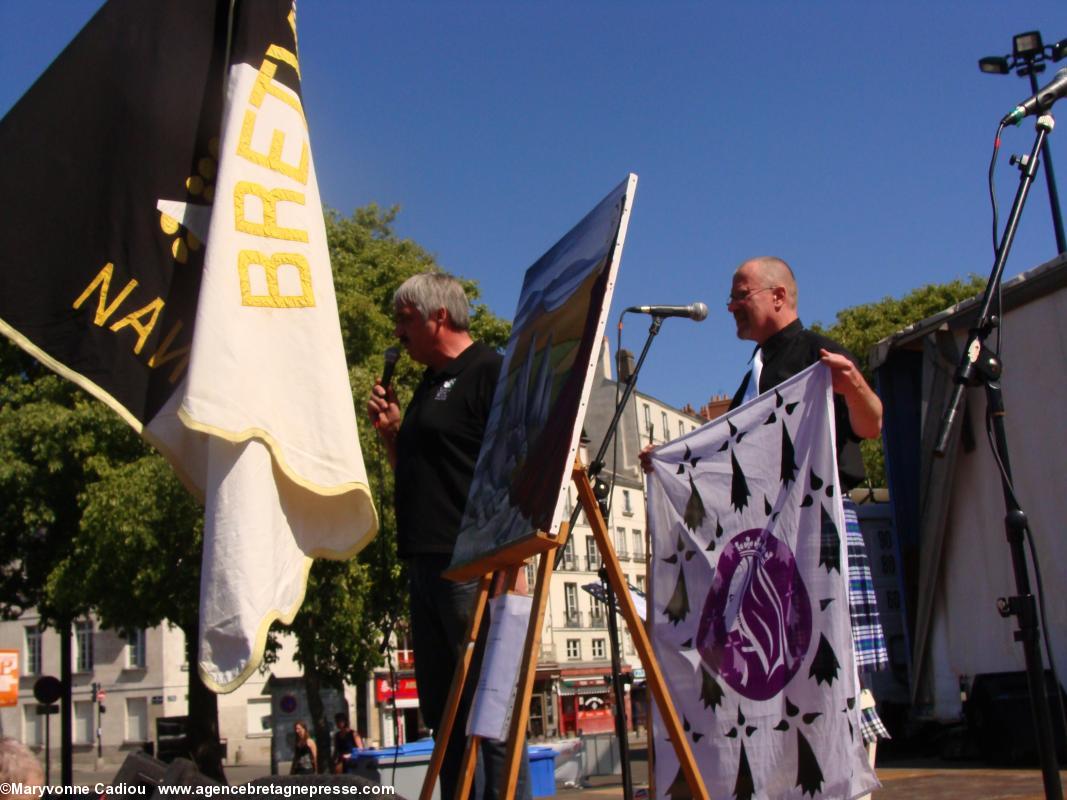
[(93, 519), (860, 327)]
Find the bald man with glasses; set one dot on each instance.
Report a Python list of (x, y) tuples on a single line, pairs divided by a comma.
[(763, 302)]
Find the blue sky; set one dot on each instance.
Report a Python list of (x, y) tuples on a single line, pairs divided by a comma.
[(851, 139)]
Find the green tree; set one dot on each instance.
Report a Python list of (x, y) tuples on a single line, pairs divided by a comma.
[(92, 519), (54, 442), (136, 560), (860, 327)]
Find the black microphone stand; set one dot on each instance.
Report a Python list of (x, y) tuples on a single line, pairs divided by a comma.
[(980, 366), (597, 464), (617, 682), (386, 648), (593, 469)]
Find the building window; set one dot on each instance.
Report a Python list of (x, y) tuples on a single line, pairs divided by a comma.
[(596, 614), (570, 605), (32, 725), (135, 652), (136, 719), (568, 503), (574, 649), (681, 428), (592, 555), (531, 576), (648, 422), (83, 721), (598, 649), (630, 645), (640, 583), (257, 716), (639, 545), (33, 650), (666, 426), (568, 554), (620, 543), (83, 644), (627, 506)]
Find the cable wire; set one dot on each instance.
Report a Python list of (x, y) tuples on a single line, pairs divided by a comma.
[(1039, 585)]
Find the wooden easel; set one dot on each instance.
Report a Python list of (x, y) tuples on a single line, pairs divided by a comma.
[(510, 559)]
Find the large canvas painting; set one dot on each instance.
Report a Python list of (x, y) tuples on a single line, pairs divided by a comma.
[(536, 420)]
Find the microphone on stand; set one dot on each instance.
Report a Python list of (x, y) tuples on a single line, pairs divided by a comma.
[(392, 355), (1040, 102), (694, 311)]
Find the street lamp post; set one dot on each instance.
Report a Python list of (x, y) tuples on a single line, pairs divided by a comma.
[(1028, 57)]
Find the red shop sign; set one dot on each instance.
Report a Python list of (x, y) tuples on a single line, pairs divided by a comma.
[(406, 690)]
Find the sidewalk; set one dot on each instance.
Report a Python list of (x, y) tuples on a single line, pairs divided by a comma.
[(933, 781), (919, 779)]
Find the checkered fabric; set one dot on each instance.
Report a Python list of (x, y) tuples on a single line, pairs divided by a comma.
[(871, 726), (868, 639)]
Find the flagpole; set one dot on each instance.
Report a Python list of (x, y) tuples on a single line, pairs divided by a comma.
[(229, 49)]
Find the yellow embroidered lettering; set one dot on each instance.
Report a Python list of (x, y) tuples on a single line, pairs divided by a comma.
[(292, 24), (279, 53), (163, 354), (264, 86), (269, 198), (144, 329), (274, 270), (103, 280)]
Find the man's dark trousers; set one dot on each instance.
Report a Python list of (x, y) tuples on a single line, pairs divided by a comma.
[(440, 614)]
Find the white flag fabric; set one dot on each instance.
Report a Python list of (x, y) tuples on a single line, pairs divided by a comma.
[(749, 612), (276, 449)]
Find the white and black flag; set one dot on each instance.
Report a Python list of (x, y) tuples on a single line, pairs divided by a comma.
[(163, 246), (749, 610)]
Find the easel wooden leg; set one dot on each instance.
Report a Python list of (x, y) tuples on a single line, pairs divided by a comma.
[(459, 680), (520, 715), (653, 674), (468, 767)]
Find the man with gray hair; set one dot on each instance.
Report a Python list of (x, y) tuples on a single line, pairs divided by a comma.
[(433, 449), (18, 767)]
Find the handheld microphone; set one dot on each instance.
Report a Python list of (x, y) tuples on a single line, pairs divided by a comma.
[(1040, 102), (392, 355), (694, 311)]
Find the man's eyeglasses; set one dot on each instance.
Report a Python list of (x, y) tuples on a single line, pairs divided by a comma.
[(740, 298)]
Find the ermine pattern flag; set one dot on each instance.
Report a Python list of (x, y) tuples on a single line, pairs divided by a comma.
[(167, 252), (749, 609)]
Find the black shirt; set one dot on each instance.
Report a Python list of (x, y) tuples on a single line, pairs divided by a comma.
[(437, 448), (791, 350)]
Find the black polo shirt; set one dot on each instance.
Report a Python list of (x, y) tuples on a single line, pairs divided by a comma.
[(791, 350), (437, 448)]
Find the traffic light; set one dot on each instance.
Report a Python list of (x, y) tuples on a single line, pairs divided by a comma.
[(98, 697)]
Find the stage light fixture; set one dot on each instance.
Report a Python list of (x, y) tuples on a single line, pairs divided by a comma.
[(1027, 45), (994, 65), (1029, 54)]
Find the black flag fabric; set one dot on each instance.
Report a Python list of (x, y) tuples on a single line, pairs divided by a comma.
[(163, 247), (96, 281)]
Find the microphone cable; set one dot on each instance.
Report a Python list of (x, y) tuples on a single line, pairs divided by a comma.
[(1002, 468)]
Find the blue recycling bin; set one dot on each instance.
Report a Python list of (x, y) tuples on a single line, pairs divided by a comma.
[(542, 771)]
